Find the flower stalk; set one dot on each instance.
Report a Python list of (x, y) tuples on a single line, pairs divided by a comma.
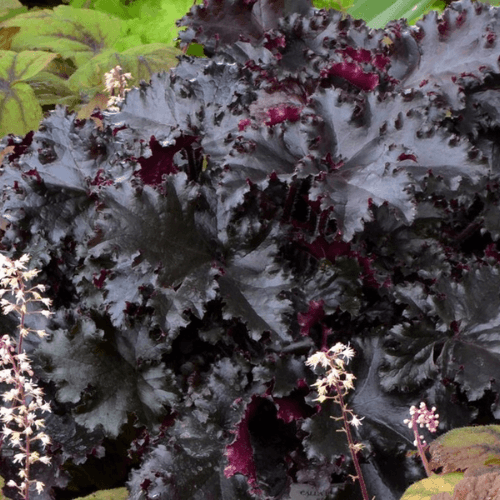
[(340, 380), (116, 85), (427, 418), (26, 394)]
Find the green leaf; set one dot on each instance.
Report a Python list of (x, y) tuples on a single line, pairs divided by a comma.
[(80, 34), (425, 489), (20, 111)]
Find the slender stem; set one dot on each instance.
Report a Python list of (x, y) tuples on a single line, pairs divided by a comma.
[(23, 398), (421, 449), (20, 342), (347, 428)]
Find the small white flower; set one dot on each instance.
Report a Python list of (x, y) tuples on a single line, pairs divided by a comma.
[(26, 367), (6, 431), (316, 359), (321, 385), (349, 377), (22, 357), (12, 394), (19, 263), (356, 421), (321, 399), (337, 348), (333, 376), (340, 363), (44, 439), (46, 407), (8, 309), (358, 447), (348, 353)]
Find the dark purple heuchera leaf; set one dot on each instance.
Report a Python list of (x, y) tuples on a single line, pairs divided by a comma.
[(89, 358), (208, 418), (376, 150), (453, 29), (374, 163), (153, 242), (306, 42), (459, 344), (227, 21), (256, 296)]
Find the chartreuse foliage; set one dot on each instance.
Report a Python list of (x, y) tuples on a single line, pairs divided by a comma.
[(434, 485), (378, 14), (309, 181), (61, 55)]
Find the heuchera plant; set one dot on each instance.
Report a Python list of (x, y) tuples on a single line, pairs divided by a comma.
[(311, 182)]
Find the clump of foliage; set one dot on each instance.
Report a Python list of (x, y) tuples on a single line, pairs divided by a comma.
[(310, 182)]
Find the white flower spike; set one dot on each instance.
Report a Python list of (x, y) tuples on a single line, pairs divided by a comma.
[(23, 416)]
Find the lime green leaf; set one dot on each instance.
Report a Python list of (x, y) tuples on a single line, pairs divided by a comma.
[(51, 90), (11, 8), (79, 34), (408, 9), (16, 67), (20, 111), (423, 490)]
